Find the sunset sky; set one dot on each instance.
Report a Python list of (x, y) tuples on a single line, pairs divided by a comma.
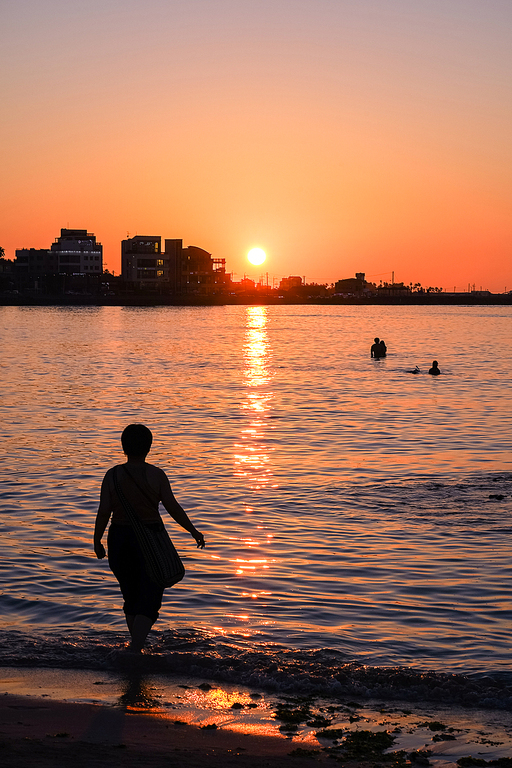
[(337, 135)]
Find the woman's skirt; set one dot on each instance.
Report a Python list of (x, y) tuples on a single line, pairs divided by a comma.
[(141, 595)]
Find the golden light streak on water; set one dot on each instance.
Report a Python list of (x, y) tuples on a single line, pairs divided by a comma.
[(388, 532), (252, 459)]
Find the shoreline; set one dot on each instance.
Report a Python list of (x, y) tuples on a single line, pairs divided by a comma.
[(52, 716), (42, 732), (149, 300)]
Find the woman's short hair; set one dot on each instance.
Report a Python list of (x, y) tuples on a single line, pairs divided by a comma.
[(136, 440)]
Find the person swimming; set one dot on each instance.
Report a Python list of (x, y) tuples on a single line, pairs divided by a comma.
[(415, 370), (376, 349), (434, 371)]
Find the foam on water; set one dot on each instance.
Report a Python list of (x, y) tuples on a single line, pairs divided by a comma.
[(267, 667)]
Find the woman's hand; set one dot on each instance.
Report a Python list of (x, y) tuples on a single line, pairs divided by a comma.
[(100, 550), (199, 539)]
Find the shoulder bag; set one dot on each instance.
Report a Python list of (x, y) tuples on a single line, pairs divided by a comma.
[(163, 563)]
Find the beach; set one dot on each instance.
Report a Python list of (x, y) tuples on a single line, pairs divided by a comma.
[(53, 717), (43, 733)]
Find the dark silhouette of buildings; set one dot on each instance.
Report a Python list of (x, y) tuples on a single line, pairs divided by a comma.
[(6, 274), (353, 285), (154, 271), (175, 270), (35, 263), (290, 283), (142, 261), (75, 253), (194, 271), (78, 252)]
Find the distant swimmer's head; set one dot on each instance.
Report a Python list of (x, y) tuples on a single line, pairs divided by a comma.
[(136, 440), (434, 371), (435, 364)]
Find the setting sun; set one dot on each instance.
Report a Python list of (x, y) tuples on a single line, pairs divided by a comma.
[(256, 256)]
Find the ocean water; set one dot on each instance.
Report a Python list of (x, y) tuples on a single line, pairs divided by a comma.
[(357, 516)]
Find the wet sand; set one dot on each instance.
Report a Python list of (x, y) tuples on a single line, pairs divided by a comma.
[(40, 733), (197, 724)]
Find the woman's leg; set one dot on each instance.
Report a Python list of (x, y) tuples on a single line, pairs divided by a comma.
[(139, 631), (139, 627), (141, 595)]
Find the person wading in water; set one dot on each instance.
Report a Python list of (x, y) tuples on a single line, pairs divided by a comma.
[(142, 486)]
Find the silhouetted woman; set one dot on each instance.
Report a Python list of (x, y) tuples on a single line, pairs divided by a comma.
[(144, 486)]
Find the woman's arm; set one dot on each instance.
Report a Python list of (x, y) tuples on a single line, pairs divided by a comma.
[(102, 518), (176, 511)]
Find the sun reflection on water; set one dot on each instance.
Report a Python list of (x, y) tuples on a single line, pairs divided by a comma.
[(252, 459), (252, 456)]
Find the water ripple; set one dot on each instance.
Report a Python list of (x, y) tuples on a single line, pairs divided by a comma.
[(347, 504)]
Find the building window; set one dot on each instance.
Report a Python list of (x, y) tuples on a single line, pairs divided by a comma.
[(159, 273)]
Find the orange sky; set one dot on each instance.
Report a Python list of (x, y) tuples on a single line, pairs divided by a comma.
[(339, 136)]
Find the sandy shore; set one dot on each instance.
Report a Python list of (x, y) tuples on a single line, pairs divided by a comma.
[(153, 722), (38, 732)]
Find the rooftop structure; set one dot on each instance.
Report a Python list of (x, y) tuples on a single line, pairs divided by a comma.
[(290, 283), (78, 252), (175, 270), (35, 262), (143, 263), (75, 252), (194, 270)]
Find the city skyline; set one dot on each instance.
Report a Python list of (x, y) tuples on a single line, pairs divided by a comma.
[(338, 137), (151, 263)]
